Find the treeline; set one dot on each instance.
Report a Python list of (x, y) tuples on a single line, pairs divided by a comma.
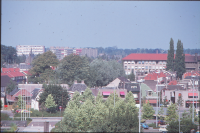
[(111, 51), (46, 68), (9, 55)]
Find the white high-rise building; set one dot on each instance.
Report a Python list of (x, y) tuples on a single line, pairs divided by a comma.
[(25, 49)]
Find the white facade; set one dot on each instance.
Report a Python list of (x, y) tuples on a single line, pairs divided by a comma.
[(25, 49), (143, 66), (34, 104)]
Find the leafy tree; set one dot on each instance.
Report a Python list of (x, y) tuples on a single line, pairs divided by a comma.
[(99, 98), (161, 112), (60, 94), (1, 104), (186, 125), (170, 56), (11, 86), (179, 60), (87, 95), (50, 103), (9, 54), (74, 67), (102, 72), (180, 100), (131, 76), (172, 114), (21, 103), (41, 70), (147, 111), (21, 59), (100, 116)]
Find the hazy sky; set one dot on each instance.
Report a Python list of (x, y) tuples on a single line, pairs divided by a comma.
[(125, 24)]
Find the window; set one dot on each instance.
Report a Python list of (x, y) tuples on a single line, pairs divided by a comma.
[(125, 67), (146, 67), (149, 67), (133, 62), (139, 62), (149, 62), (149, 92), (135, 67), (160, 62), (132, 67), (142, 62), (128, 67)]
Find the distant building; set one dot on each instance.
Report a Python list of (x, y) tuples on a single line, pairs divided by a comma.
[(25, 49), (90, 52), (192, 62)]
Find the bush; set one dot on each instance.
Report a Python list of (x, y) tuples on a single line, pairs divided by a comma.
[(152, 125), (5, 116)]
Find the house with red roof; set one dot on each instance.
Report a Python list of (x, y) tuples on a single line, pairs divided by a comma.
[(14, 74)]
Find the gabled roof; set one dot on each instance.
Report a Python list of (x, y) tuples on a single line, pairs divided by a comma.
[(78, 87), (133, 87), (14, 91), (12, 72), (35, 93), (173, 82), (153, 76), (151, 84), (174, 87), (22, 92)]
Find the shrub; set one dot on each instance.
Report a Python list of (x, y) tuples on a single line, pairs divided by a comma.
[(5, 116)]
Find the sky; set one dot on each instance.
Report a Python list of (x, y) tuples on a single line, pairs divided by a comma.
[(124, 24)]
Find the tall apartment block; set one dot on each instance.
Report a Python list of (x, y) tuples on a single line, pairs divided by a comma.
[(25, 49), (90, 52)]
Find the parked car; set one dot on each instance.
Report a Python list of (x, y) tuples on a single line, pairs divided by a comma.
[(144, 125), (163, 128), (161, 122)]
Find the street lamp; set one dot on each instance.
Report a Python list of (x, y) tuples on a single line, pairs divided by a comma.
[(193, 99), (140, 82), (157, 100)]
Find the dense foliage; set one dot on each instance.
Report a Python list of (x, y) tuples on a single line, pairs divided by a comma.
[(74, 67), (102, 72), (41, 71), (100, 116), (11, 86), (50, 104), (179, 60), (170, 56), (147, 111), (60, 94), (172, 113), (21, 102)]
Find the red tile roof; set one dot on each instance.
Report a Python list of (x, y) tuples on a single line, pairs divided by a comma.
[(196, 73), (22, 92), (27, 72), (138, 56), (174, 82), (153, 76), (12, 72)]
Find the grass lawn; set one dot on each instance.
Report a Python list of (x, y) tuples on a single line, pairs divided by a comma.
[(36, 113)]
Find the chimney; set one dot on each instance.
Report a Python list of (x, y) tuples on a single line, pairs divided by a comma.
[(75, 81), (82, 82)]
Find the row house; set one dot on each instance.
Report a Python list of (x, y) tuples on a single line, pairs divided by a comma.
[(14, 74)]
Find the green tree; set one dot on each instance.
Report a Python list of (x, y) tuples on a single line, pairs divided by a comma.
[(50, 103), (172, 114), (102, 72), (186, 125), (160, 113), (21, 59), (41, 71), (131, 76), (170, 56), (180, 100), (60, 94), (9, 54), (21, 103), (87, 95), (179, 60), (147, 111), (11, 86), (74, 67), (1, 104)]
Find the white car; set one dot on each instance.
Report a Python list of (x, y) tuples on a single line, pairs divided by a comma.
[(163, 128)]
